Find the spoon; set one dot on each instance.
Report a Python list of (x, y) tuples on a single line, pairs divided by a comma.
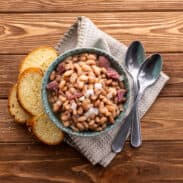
[(134, 58), (147, 76)]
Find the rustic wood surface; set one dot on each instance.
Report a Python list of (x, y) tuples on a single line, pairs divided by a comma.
[(159, 25), (159, 31), (89, 5)]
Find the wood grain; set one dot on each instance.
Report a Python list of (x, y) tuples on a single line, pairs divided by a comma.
[(63, 164), (160, 32), (173, 66), (90, 5), (162, 122)]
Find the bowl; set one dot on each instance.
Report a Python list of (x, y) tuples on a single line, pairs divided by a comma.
[(47, 107)]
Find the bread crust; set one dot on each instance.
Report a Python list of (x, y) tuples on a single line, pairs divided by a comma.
[(21, 76), (32, 52), (18, 120)]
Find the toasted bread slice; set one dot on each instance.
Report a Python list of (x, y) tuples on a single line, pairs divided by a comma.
[(15, 109), (45, 130), (29, 90), (40, 57)]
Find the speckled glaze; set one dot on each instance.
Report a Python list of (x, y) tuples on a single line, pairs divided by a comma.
[(60, 59)]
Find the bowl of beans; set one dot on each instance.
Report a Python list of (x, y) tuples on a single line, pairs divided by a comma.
[(85, 92)]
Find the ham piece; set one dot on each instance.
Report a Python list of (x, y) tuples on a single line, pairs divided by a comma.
[(61, 68), (120, 94), (103, 62), (53, 85), (111, 73), (74, 96)]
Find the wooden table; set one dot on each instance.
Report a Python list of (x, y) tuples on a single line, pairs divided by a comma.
[(25, 25)]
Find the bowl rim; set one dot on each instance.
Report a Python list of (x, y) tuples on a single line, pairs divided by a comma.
[(53, 65)]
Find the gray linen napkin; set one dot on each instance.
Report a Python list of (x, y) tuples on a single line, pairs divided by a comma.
[(83, 33)]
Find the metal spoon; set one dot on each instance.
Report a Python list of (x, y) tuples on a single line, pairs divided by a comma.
[(134, 58), (150, 71), (147, 75)]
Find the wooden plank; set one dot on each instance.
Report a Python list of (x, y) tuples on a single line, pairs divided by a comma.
[(160, 32), (91, 6), (154, 162), (173, 66), (162, 122), (8, 72)]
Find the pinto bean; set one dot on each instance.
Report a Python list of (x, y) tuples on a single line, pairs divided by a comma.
[(62, 84), (92, 56), (80, 110), (83, 58), (62, 98), (80, 84), (65, 116), (91, 79), (85, 67), (91, 62), (75, 59), (52, 75), (82, 118), (56, 107), (80, 126), (68, 73), (86, 126), (73, 78), (83, 78), (96, 70)]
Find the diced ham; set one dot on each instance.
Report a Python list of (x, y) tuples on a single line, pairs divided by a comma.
[(120, 94), (78, 95), (103, 62), (61, 68), (74, 96), (111, 73), (53, 85)]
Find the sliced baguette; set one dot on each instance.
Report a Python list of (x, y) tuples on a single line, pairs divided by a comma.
[(45, 130), (15, 109), (29, 90), (40, 57)]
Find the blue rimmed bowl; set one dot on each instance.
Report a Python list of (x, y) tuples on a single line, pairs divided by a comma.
[(114, 63)]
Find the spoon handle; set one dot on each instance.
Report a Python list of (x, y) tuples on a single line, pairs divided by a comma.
[(119, 140), (136, 139)]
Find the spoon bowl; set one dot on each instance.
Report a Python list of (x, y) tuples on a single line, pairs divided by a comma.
[(149, 72), (134, 58)]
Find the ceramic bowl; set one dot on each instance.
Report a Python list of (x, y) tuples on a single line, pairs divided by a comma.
[(60, 59)]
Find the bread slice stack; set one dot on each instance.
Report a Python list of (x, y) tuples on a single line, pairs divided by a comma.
[(25, 104)]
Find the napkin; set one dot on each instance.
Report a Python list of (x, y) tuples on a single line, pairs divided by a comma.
[(84, 33)]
